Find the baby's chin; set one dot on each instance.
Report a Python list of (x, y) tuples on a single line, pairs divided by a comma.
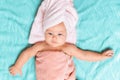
[(55, 45)]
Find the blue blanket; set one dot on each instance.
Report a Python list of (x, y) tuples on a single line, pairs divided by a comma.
[(98, 29)]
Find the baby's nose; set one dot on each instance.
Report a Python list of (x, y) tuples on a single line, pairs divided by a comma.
[(54, 37)]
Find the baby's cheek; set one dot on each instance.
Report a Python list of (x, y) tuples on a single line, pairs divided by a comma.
[(63, 39)]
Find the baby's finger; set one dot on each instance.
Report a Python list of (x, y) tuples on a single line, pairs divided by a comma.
[(12, 73), (111, 54), (10, 68), (109, 51)]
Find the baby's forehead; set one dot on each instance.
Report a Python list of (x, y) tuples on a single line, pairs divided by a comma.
[(59, 31), (57, 28)]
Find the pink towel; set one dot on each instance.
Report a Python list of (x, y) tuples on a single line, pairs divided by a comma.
[(54, 65), (53, 12)]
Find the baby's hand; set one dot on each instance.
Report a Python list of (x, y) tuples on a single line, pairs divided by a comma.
[(14, 70), (108, 53)]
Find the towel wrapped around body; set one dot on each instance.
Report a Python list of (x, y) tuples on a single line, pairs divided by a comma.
[(54, 65)]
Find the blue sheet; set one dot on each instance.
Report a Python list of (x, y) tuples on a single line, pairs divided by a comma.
[(98, 28)]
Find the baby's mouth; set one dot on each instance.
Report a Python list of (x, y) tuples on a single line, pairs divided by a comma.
[(55, 42)]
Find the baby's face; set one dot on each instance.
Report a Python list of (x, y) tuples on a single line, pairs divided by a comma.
[(56, 35)]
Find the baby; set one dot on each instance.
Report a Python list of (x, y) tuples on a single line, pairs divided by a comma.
[(53, 36), (56, 50)]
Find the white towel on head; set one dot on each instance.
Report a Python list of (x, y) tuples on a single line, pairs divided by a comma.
[(53, 12)]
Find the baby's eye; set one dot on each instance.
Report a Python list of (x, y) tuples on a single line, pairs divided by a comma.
[(50, 33), (60, 34)]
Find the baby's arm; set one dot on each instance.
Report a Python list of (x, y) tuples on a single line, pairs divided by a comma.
[(86, 55), (24, 57)]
